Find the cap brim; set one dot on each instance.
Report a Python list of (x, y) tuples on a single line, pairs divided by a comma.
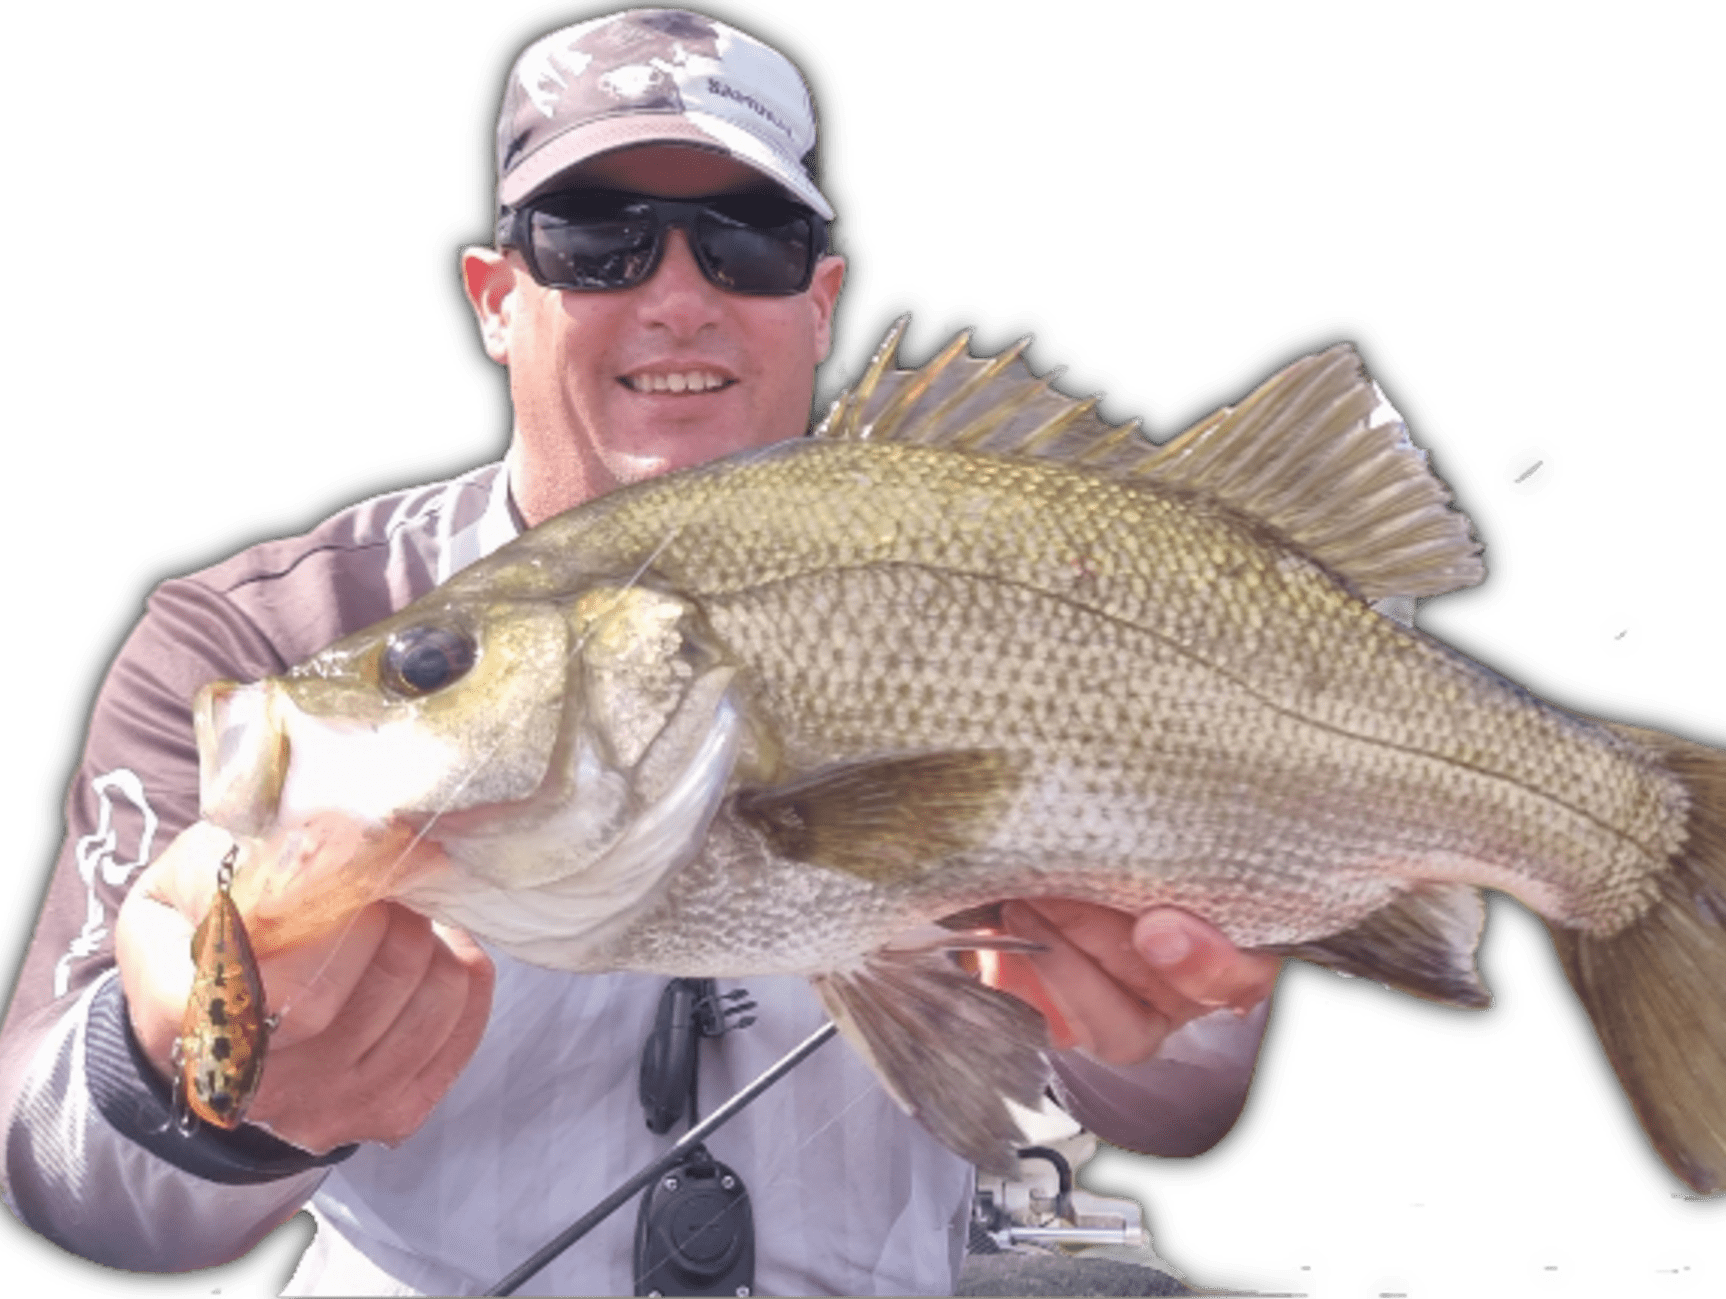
[(538, 170)]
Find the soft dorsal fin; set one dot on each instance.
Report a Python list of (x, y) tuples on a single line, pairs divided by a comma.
[(1315, 452)]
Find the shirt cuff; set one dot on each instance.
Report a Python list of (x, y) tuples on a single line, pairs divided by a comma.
[(134, 1100)]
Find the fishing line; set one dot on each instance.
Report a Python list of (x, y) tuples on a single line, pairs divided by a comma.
[(674, 530), (422, 832), (782, 1160), (780, 1168), (611, 1203)]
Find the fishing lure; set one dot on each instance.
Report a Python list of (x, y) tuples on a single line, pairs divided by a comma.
[(219, 1054)]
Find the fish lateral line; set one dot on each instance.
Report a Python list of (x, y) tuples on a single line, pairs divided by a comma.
[(1308, 469)]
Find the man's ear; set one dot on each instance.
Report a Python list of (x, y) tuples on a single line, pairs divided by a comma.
[(488, 278), (824, 289)]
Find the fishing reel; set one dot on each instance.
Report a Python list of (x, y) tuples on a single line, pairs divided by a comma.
[(695, 1232)]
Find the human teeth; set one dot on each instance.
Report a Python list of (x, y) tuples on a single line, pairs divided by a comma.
[(687, 381)]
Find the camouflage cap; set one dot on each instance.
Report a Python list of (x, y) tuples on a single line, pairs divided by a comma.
[(653, 76)]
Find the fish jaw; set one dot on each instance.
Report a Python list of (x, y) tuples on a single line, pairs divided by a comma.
[(346, 732), (242, 756), (372, 771), (267, 762), (648, 715), (577, 902)]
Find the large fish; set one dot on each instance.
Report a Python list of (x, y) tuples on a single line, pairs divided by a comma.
[(968, 642)]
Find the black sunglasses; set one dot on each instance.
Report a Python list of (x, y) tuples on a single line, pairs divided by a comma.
[(596, 239)]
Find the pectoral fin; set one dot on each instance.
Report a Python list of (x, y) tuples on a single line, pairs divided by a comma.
[(945, 1046), (884, 819), (1424, 943)]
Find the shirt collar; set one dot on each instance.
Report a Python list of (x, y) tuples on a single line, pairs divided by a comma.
[(498, 524)]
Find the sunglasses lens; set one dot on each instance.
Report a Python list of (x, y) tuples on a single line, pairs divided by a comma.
[(591, 241), (604, 239), (756, 244)]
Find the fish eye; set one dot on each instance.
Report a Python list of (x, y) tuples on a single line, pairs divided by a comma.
[(423, 659)]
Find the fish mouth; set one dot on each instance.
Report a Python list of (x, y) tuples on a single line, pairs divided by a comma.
[(265, 762), (242, 756)]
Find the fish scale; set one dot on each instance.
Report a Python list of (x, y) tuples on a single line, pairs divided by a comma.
[(968, 643), (833, 681), (1353, 670), (1138, 841)]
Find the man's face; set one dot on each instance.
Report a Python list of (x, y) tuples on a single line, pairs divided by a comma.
[(612, 387)]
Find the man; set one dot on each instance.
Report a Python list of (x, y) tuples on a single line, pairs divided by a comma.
[(492, 1101)]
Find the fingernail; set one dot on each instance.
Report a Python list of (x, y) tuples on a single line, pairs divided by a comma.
[(1162, 943)]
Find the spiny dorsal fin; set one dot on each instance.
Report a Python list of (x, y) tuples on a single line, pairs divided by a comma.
[(1315, 452)]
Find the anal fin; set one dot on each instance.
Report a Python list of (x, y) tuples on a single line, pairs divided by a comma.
[(1424, 943), (945, 1046)]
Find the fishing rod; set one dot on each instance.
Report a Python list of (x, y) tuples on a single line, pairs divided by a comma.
[(688, 1141)]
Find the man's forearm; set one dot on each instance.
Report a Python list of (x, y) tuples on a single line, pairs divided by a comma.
[(75, 1174)]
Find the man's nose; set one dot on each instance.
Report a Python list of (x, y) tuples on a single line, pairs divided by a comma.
[(677, 295)]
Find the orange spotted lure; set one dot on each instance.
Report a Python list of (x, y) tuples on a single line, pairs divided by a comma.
[(219, 1054)]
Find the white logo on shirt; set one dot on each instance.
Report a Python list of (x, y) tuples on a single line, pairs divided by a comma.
[(97, 851)]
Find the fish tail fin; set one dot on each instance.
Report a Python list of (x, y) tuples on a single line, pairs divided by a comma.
[(1656, 990)]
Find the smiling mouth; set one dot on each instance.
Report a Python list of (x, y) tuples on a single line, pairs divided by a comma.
[(693, 381)]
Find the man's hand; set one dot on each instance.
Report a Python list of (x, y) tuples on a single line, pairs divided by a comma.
[(377, 1018), (1117, 985)]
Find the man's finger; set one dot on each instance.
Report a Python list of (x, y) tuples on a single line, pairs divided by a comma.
[(389, 982), (184, 876), (439, 1073), (1110, 1021), (1106, 936), (309, 986), (423, 1021), (1013, 972), (1199, 963)]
